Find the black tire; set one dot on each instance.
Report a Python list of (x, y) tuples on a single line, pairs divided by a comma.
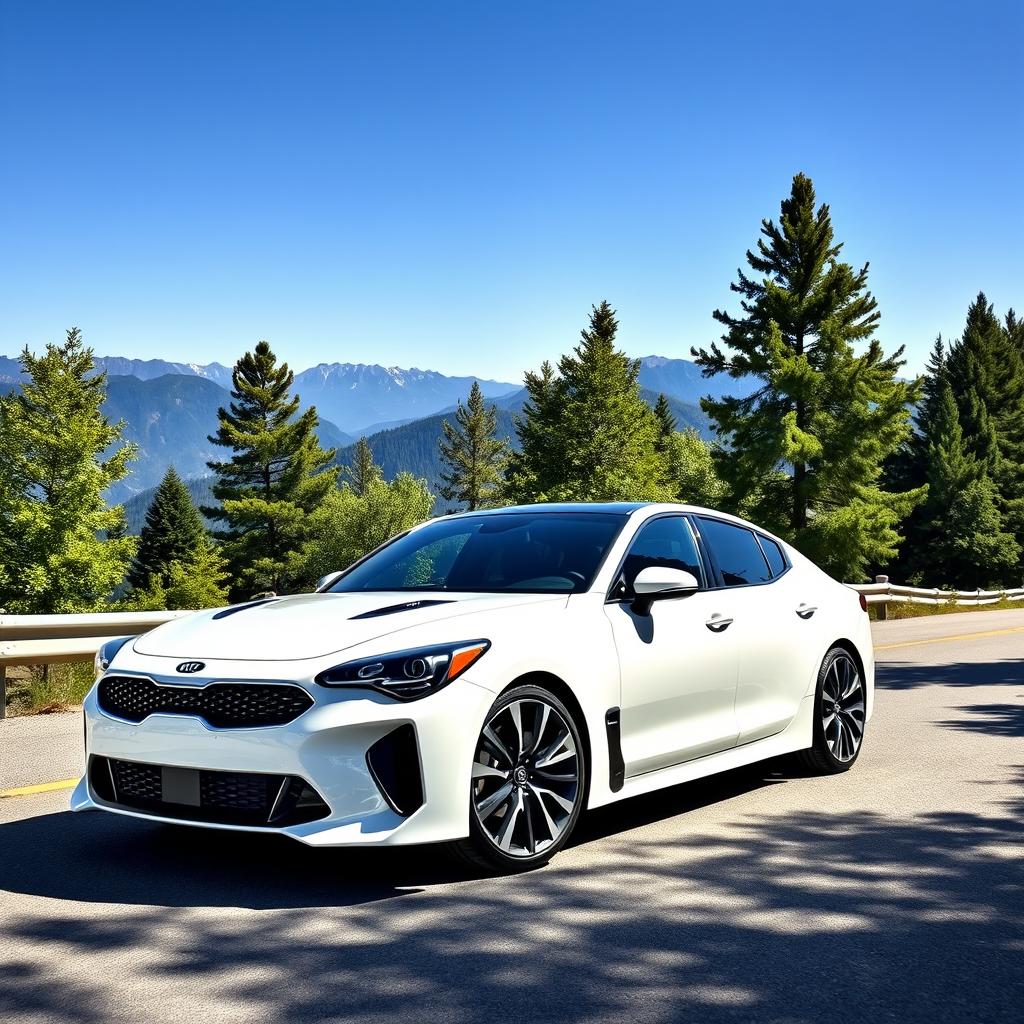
[(838, 735), (525, 819)]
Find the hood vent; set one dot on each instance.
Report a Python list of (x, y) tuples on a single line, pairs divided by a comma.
[(235, 608), (406, 606)]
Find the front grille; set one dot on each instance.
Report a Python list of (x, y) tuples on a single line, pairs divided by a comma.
[(199, 794), (222, 705)]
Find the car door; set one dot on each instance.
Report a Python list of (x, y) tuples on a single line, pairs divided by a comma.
[(773, 658), (678, 661)]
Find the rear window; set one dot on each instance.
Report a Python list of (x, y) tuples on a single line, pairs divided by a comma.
[(736, 553), (772, 551)]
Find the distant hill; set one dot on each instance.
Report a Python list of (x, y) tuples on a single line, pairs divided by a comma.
[(170, 418), (681, 378)]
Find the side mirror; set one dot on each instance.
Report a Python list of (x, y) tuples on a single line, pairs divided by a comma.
[(657, 583), (325, 581)]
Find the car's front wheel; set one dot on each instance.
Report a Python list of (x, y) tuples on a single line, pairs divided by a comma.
[(528, 784)]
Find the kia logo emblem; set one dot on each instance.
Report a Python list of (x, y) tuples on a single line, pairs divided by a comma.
[(191, 667)]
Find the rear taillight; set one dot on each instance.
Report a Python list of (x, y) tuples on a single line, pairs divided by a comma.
[(863, 603)]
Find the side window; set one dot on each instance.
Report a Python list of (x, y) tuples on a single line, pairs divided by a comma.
[(736, 552), (667, 541), (772, 551)]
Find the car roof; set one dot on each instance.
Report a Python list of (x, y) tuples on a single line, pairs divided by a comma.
[(622, 508)]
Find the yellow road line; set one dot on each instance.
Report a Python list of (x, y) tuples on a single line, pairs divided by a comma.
[(948, 639), (43, 787)]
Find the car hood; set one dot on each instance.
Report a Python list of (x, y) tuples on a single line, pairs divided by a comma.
[(315, 625)]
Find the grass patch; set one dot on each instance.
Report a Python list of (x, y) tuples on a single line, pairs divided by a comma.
[(42, 690), (907, 610)]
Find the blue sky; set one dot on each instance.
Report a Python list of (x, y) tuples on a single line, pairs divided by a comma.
[(451, 185)]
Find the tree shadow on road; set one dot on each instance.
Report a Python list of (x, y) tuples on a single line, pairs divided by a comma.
[(894, 675), (990, 719)]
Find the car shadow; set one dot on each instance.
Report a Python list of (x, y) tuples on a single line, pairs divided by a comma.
[(96, 857)]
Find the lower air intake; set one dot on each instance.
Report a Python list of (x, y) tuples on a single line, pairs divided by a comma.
[(197, 794)]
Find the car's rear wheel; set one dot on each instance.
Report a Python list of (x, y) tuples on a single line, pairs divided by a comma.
[(840, 707), (528, 784)]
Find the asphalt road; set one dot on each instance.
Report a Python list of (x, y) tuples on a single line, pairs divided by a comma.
[(894, 892)]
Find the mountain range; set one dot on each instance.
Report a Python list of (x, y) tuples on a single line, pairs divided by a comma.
[(170, 408), (355, 396)]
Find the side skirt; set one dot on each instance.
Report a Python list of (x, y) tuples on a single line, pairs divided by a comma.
[(798, 735)]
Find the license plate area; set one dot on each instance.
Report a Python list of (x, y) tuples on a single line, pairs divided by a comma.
[(180, 786)]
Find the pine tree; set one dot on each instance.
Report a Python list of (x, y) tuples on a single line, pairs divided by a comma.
[(363, 472), (973, 373), (666, 421), (473, 457), (541, 452), (64, 549), (587, 434), (276, 476), (173, 532), (804, 453), (986, 372), (960, 542)]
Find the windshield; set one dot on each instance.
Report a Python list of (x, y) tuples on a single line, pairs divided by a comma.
[(538, 552)]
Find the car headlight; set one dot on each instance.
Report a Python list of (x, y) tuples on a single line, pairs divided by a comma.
[(105, 655), (408, 675)]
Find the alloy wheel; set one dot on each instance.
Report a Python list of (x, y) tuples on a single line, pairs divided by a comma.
[(842, 708), (526, 777)]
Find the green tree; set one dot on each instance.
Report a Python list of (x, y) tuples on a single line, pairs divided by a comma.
[(348, 525), (197, 580), (960, 541), (973, 372), (986, 373), (363, 472), (64, 549), (474, 458), (803, 454), (692, 472), (173, 532), (587, 434), (277, 475)]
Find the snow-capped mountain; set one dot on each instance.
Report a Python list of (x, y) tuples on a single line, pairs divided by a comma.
[(143, 369), (354, 395)]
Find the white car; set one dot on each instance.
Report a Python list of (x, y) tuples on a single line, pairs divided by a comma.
[(482, 679)]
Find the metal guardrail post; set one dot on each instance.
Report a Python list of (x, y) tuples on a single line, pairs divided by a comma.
[(3, 690), (883, 606)]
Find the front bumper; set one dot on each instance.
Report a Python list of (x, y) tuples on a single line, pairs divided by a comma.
[(326, 747)]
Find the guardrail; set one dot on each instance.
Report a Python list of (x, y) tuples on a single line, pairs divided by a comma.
[(884, 593), (50, 639)]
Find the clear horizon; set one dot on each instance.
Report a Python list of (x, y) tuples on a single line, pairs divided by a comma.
[(452, 188)]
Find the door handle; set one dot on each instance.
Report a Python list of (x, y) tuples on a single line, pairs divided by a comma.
[(805, 611), (718, 624)]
